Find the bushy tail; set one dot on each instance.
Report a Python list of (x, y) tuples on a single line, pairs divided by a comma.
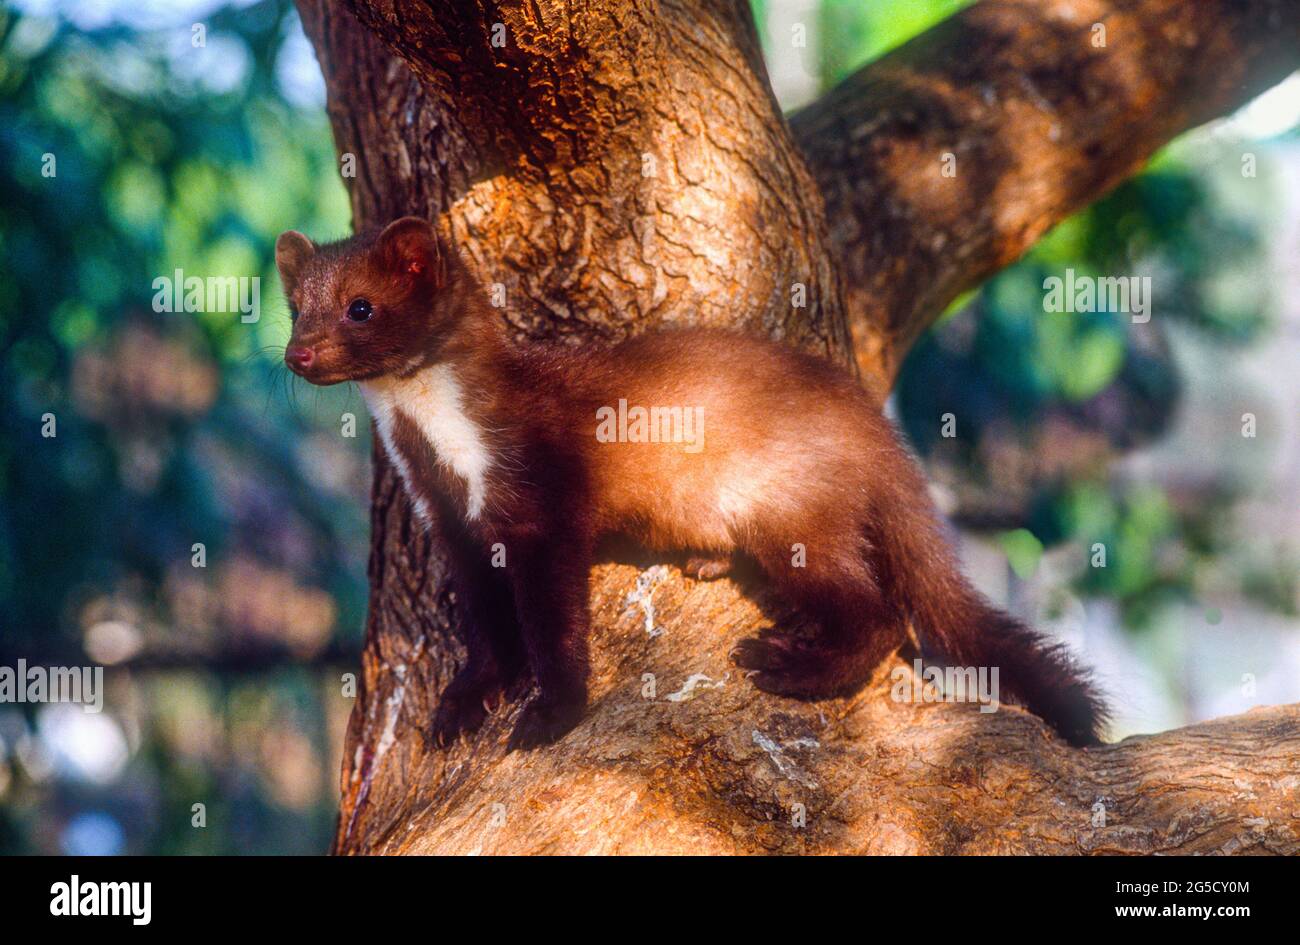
[(958, 627), (1033, 671)]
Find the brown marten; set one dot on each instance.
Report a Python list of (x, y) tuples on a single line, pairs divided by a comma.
[(703, 442)]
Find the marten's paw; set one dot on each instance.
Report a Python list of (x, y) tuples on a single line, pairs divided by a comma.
[(545, 721), (707, 569), (786, 666), (464, 706)]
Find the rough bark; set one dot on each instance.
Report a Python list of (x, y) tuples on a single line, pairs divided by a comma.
[(619, 165)]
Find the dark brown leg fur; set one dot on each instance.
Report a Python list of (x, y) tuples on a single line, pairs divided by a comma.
[(495, 651), (550, 590), (857, 627)]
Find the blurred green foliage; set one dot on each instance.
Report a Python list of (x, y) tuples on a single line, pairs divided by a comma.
[(1002, 365), (850, 33), (166, 155)]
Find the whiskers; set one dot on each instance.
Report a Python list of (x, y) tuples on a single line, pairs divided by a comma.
[(281, 383), (292, 384)]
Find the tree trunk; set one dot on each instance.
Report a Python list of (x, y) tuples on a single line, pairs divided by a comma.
[(617, 165)]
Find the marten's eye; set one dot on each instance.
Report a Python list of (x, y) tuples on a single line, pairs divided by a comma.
[(360, 310), (293, 314)]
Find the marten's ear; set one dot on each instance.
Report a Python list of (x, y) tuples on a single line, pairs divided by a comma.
[(411, 246), (292, 250)]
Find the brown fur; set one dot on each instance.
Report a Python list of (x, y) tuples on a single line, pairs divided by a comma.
[(502, 441)]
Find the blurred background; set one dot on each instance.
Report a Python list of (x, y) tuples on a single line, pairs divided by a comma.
[(197, 524)]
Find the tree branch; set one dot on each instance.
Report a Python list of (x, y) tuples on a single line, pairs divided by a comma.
[(1039, 121)]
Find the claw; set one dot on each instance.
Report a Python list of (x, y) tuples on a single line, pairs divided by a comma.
[(707, 569), (544, 722), (786, 666), (462, 710)]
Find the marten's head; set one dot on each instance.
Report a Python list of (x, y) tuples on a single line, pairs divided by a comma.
[(368, 306)]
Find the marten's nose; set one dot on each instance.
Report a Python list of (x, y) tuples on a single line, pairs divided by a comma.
[(298, 357)]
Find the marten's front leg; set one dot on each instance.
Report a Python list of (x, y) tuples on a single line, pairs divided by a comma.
[(550, 584), (485, 608)]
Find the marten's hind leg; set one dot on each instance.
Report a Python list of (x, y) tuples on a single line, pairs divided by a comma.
[(858, 627)]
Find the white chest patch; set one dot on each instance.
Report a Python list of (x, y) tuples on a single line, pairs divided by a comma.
[(434, 402)]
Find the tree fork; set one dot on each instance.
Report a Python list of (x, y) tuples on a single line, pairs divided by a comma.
[(623, 165)]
